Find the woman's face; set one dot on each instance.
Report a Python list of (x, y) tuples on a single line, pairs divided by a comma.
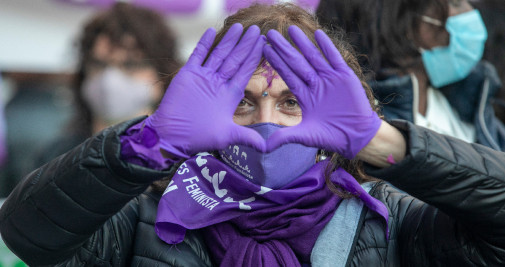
[(128, 58), (268, 99), (436, 35)]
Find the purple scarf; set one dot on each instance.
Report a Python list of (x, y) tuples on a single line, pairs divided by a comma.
[(248, 223)]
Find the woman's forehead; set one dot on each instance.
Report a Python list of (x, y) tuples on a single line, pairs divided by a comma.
[(263, 80)]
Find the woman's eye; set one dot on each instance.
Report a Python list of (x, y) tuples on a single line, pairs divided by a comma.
[(291, 103), (290, 107), (244, 106)]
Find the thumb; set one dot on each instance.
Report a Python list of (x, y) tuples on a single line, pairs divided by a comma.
[(284, 136), (249, 137)]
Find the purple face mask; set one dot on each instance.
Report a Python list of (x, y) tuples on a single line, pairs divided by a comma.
[(275, 169)]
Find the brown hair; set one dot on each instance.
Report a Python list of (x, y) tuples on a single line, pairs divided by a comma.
[(280, 17), (151, 33)]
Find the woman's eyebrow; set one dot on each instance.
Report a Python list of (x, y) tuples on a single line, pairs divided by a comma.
[(286, 91), (248, 92)]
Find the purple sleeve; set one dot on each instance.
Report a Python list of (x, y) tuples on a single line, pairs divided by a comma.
[(140, 146)]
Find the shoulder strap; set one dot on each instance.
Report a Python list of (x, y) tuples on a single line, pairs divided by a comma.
[(334, 243)]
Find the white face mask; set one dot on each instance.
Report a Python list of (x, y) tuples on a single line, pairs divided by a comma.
[(113, 96)]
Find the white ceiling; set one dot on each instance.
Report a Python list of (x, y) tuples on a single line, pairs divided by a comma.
[(38, 35)]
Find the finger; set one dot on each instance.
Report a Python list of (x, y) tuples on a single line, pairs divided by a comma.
[(244, 73), (295, 84), (225, 46), (308, 49), (292, 57), (240, 52), (202, 48), (284, 136), (249, 137), (329, 50)]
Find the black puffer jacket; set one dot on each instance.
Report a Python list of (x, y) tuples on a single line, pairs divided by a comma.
[(88, 208)]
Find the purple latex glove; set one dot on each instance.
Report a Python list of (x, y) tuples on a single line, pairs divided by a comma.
[(336, 114), (196, 112)]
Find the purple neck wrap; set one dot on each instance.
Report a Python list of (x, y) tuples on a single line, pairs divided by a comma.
[(248, 223)]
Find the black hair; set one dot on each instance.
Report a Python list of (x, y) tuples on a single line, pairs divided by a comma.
[(383, 32)]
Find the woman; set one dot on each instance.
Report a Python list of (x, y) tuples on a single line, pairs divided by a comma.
[(91, 207), (425, 57), (123, 53)]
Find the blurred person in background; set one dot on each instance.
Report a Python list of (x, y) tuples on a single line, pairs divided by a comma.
[(424, 62), (37, 106), (493, 14), (124, 54)]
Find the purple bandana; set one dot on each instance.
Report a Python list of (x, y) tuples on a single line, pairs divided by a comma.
[(272, 227), (206, 191)]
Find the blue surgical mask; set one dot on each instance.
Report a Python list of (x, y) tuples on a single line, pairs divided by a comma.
[(275, 169), (446, 65)]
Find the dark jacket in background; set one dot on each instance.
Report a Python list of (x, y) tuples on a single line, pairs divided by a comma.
[(471, 98), (89, 208)]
